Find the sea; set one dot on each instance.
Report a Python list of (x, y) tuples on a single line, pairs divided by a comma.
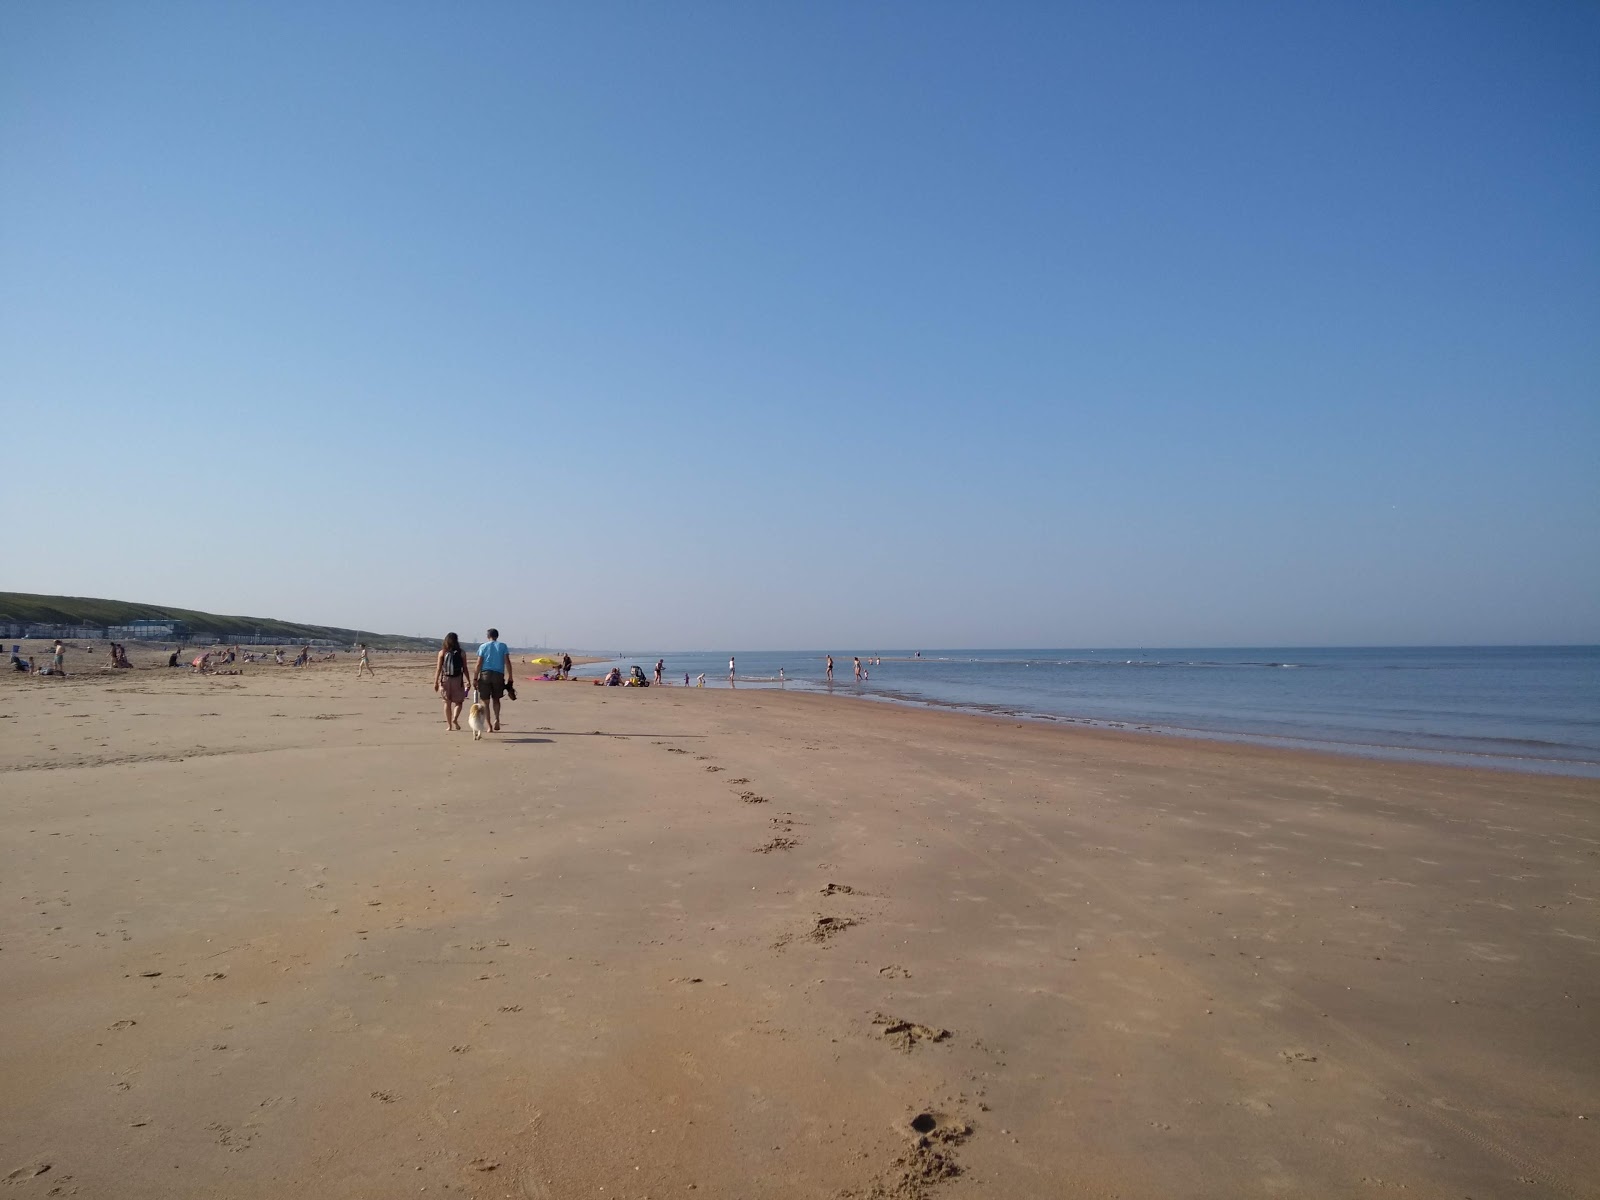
[(1520, 708)]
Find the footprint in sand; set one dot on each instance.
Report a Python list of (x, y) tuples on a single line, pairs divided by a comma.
[(930, 1159), (716, 768), (736, 782), (752, 798), (904, 1035), (827, 927), (777, 843)]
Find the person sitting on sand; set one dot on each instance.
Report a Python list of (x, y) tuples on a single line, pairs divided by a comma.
[(612, 678), (18, 663), (278, 656), (172, 659)]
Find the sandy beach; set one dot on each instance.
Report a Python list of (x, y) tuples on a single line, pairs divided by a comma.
[(280, 934)]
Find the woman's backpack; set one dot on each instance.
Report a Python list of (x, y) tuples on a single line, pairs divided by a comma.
[(455, 663)]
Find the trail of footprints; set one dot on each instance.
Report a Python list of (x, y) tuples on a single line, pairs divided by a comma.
[(935, 1136)]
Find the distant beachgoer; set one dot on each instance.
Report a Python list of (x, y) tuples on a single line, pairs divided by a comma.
[(857, 661), (830, 668), (661, 665), (493, 673), (172, 659), (450, 677), (700, 679), (566, 666), (58, 659), (781, 679), (278, 656), (365, 664), (730, 668), (686, 679)]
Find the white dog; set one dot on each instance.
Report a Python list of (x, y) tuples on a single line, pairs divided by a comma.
[(478, 719)]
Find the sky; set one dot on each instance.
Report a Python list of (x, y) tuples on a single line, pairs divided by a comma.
[(807, 325)]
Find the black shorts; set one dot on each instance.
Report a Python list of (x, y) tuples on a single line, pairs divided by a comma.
[(491, 685)]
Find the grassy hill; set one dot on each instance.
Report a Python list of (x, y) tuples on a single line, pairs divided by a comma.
[(25, 608)]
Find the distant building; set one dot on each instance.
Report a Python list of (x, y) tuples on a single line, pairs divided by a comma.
[(150, 631), (70, 633)]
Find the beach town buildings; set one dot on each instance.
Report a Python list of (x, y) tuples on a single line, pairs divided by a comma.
[(150, 631)]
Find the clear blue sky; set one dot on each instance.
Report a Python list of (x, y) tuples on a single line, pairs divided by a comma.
[(796, 325)]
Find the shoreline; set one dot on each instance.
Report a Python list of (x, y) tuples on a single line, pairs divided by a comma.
[(150, 656), (1492, 760)]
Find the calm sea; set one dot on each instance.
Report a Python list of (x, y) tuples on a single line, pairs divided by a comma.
[(1513, 707)]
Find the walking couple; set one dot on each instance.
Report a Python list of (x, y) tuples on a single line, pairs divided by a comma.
[(491, 678)]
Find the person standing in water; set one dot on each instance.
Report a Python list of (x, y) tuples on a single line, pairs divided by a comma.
[(730, 670), (857, 662), (830, 668)]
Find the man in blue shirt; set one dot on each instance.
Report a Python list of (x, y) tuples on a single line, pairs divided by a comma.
[(494, 672)]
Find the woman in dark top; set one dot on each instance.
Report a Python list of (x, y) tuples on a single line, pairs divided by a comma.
[(450, 677)]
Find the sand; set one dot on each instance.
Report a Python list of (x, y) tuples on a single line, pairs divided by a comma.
[(282, 935)]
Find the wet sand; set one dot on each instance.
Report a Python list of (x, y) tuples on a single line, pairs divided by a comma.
[(282, 935)]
